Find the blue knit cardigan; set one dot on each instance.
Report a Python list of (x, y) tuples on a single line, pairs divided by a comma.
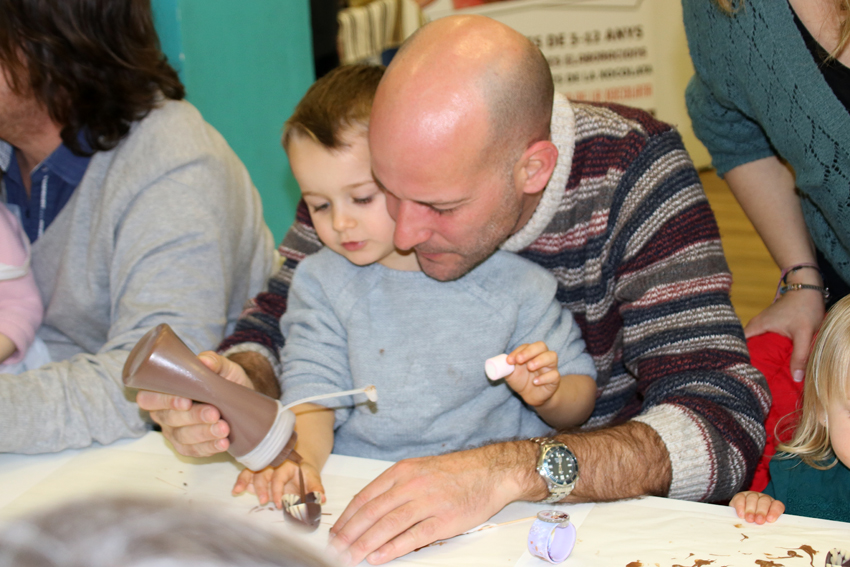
[(758, 92)]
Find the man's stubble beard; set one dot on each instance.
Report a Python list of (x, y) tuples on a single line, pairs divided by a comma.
[(501, 225)]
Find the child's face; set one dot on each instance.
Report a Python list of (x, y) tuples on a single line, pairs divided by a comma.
[(348, 209), (838, 415)]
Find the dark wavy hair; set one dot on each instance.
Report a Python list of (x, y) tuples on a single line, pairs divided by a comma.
[(95, 65)]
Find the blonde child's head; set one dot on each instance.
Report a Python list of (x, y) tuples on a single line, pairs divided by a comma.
[(326, 141), (822, 436)]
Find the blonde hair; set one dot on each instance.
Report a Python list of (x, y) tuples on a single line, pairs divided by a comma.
[(842, 7), (827, 377)]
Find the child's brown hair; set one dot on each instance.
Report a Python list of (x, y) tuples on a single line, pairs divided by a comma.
[(335, 103)]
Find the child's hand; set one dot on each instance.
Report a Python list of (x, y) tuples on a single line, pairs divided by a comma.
[(275, 482), (757, 507), (7, 347), (535, 376)]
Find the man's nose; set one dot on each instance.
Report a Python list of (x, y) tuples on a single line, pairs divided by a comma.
[(409, 228)]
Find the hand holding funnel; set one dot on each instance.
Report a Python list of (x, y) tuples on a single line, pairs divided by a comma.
[(261, 428)]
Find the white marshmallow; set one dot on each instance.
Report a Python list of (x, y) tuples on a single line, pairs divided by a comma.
[(498, 367)]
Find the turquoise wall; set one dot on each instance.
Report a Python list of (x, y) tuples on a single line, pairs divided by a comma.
[(245, 66)]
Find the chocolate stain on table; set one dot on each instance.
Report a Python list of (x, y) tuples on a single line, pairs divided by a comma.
[(697, 562), (791, 554), (434, 544), (808, 550)]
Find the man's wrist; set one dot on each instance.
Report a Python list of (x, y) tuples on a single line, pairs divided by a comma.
[(516, 463), (259, 372)]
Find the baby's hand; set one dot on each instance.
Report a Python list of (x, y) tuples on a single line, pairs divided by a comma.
[(535, 376), (757, 507), (279, 481)]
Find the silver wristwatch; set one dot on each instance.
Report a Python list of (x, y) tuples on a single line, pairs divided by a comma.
[(558, 467)]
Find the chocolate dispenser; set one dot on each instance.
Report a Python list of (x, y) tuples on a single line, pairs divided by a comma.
[(261, 429)]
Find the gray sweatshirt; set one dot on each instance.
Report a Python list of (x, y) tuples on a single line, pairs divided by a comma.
[(423, 344), (165, 228)]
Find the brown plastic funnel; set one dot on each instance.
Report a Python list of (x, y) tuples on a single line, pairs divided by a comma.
[(161, 362)]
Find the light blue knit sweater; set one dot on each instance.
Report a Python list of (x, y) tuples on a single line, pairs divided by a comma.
[(423, 344), (757, 92)]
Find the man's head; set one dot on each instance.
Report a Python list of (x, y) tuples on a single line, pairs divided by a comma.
[(459, 137), (89, 64)]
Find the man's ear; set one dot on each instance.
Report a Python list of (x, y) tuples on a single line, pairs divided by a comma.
[(533, 170)]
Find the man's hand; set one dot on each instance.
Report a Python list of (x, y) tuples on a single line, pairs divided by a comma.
[(194, 429), (419, 501), (796, 315)]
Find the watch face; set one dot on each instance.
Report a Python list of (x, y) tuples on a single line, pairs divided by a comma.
[(559, 465)]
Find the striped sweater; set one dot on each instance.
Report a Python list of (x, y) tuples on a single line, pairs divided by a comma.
[(626, 229)]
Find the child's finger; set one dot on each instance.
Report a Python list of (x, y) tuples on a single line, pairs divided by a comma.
[(752, 506), (281, 483), (542, 360), (739, 502), (314, 482), (776, 509), (762, 508), (243, 481), (550, 377), (526, 352), (514, 353), (261, 484)]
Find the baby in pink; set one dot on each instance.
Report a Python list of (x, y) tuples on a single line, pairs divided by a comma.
[(21, 309)]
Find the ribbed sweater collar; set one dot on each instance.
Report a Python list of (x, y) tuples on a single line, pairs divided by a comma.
[(563, 130)]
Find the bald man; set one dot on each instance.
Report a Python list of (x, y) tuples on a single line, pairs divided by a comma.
[(476, 153)]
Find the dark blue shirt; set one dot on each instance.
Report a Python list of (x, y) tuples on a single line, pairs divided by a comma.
[(53, 182)]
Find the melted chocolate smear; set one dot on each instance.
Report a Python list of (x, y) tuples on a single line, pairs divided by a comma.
[(635, 564), (811, 553), (807, 549), (766, 563), (434, 544), (791, 554), (697, 563)]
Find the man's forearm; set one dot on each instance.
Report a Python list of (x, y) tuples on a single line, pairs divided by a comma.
[(259, 371), (626, 461)]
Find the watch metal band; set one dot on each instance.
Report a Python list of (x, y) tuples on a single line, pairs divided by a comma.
[(556, 492)]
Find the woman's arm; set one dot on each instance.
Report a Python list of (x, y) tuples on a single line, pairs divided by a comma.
[(766, 191)]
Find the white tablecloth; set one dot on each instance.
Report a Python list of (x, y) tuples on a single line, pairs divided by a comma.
[(647, 532)]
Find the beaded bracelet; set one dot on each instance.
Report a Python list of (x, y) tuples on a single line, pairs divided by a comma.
[(783, 287)]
